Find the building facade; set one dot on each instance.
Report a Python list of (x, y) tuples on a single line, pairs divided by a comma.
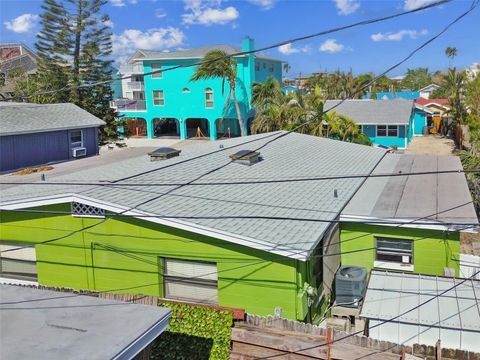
[(169, 103)]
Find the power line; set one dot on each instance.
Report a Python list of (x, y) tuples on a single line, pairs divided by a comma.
[(416, 307), (243, 53), (265, 181)]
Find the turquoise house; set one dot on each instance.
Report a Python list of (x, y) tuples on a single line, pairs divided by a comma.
[(390, 123), (389, 95), (168, 103)]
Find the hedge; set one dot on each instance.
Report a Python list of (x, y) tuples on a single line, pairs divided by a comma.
[(196, 332)]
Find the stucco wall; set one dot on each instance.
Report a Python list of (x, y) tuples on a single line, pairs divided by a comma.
[(247, 278), (433, 250)]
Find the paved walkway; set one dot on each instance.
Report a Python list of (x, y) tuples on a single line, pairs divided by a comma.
[(431, 145)]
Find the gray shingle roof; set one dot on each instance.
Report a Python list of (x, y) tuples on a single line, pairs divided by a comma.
[(413, 197), (292, 156), (21, 118), (69, 326), (196, 53), (372, 112)]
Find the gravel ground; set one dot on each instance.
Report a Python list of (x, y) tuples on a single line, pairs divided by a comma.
[(432, 144)]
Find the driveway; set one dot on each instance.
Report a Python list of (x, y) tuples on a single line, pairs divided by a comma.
[(430, 145), (133, 148)]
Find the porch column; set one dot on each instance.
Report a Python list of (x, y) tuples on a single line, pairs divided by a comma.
[(213, 129), (150, 132), (183, 129)]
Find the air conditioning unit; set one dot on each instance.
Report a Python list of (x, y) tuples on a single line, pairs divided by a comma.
[(350, 285), (79, 152)]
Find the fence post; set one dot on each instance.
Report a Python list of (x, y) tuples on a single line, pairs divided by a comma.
[(329, 339), (438, 350)]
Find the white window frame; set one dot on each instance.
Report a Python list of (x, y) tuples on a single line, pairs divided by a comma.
[(155, 67), (405, 261), (24, 256), (171, 278), (76, 143), (387, 128), (161, 99), (209, 91)]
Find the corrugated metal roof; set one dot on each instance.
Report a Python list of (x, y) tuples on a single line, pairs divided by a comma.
[(429, 197), (69, 326), (373, 112), (432, 308), (22, 118), (291, 156)]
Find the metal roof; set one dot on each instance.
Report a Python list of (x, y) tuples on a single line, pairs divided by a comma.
[(69, 326), (412, 197), (196, 53), (373, 112), (292, 156), (390, 294), (26, 118)]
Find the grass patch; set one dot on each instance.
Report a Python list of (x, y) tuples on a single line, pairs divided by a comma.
[(33, 170)]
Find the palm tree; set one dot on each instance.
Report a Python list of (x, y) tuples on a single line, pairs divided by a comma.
[(454, 84), (217, 64), (451, 53), (286, 67), (265, 94)]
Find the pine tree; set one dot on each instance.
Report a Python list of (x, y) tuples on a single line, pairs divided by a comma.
[(74, 45)]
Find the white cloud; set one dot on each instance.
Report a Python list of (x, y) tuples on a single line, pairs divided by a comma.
[(22, 24), (208, 13), (154, 39), (109, 23), (121, 3), (288, 49), (160, 13), (264, 4), (347, 7), (399, 35), (414, 4), (331, 46)]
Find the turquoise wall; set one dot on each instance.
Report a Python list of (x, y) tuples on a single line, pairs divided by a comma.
[(400, 141), (182, 105), (419, 121)]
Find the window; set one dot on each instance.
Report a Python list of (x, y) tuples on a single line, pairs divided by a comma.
[(190, 280), (391, 250), (387, 130), (186, 90), (158, 98), (208, 98), (270, 67), (257, 66), (76, 137), (83, 210), (156, 67), (264, 65), (18, 264)]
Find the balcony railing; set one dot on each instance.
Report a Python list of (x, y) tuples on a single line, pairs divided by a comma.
[(128, 105), (131, 69), (136, 85)]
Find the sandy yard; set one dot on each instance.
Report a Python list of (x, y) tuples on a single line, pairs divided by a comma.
[(434, 145)]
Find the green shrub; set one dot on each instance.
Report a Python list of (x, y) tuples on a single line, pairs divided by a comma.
[(196, 332)]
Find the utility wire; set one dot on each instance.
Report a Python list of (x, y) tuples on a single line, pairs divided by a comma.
[(243, 53), (226, 182)]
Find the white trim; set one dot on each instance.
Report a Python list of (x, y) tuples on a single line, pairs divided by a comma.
[(153, 97), (35, 131), (392, 266), (9, 281), (156, 75), (212, 101), (175, 223), (386, 131), (77, 143), (435, 86)]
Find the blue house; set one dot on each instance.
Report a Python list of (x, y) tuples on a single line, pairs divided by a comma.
[(34, 134), (168, 103), (389, 95), (391, 123)]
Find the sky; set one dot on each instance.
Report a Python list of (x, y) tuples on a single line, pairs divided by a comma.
[(169, 25)]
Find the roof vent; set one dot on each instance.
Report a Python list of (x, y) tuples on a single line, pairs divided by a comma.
[(163, 153), (246, 157)]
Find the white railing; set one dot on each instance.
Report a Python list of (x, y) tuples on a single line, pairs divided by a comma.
[(135, 85), (128, 105), (131, 69)]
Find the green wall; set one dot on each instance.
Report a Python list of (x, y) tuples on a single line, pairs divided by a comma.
[(433, 250), (254, 280)]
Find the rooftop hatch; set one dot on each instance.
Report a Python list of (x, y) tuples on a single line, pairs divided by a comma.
[(163, 153), (246, 157)]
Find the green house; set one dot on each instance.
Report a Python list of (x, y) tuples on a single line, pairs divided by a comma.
[(244, 236)]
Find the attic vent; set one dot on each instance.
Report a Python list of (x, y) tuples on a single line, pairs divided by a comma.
[(246, 157), (83, 210), (163, 153)]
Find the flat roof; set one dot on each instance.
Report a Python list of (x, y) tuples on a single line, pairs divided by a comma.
[(71, 326), (439, 198)]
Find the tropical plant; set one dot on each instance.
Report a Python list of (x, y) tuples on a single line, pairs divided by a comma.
[(455, 87), (416, 79), (265, 94), (217, 64), (451, 53), (286, 67)]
